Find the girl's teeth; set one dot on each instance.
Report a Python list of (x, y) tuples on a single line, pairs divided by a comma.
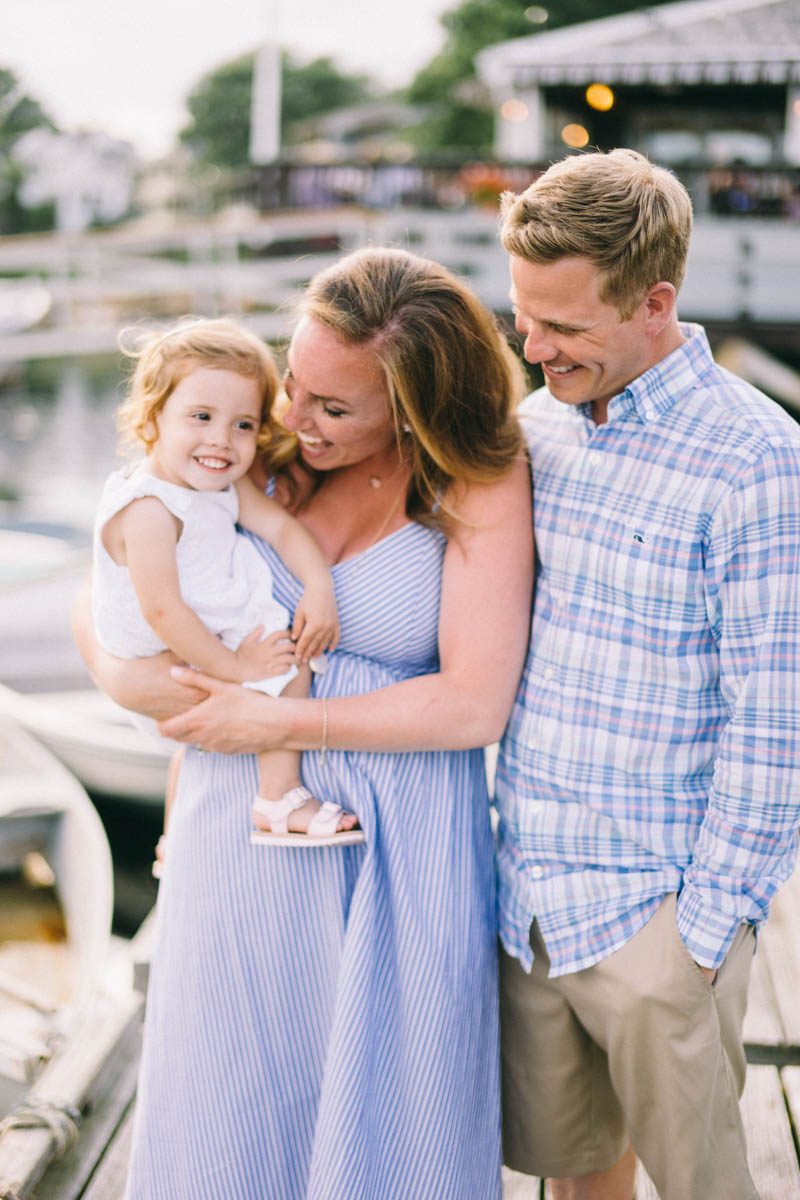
[(216, 463)]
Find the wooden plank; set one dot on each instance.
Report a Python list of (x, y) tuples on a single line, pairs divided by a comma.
[(771, 1150), (790, 1078), (780, 944), (788, 896), (68, 1079), (108, 1182), (67, 1177), (520, 1187), (762, 1024), (141, 951)]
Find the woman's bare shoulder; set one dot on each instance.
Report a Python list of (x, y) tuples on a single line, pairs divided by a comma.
[(291, 487)]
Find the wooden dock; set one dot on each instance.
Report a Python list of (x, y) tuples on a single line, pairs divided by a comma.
[(771, 1101), (95, 1167)]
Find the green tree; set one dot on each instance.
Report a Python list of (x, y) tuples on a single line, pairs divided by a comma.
[(316, 88), (460, 119), (19, 113), (219, 106)]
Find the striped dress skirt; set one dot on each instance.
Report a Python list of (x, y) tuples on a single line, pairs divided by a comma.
[(322, 1023)]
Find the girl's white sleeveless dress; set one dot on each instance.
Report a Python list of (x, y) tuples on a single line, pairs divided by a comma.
[(322, 1023)]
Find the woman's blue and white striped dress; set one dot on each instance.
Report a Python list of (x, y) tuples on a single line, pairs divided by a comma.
[(322, 1024)]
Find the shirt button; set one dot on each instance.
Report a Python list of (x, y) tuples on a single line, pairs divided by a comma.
[(537, 872), (549, 672), (533, 741), (535, 807), (649, 414), (595, 458), (574, 529)]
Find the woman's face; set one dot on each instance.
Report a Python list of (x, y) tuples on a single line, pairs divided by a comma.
[(339, 406)]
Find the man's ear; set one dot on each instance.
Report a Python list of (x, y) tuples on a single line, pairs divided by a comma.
[(659, 307)]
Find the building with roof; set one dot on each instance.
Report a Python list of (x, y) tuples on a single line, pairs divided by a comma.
[(699, 81)]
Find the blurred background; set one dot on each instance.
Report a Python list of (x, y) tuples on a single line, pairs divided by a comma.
[(158, 160)]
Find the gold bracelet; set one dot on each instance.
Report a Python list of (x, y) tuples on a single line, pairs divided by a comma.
[(323, 750)]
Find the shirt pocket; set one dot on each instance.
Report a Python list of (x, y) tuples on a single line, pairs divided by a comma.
[(659, 584)]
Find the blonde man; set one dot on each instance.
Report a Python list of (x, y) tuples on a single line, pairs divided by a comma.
[(649, 784)]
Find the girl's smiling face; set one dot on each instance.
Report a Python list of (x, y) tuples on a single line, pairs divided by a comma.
[(207, 430), (338, 400)]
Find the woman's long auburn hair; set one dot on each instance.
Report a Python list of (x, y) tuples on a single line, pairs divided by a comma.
[(452, 380)]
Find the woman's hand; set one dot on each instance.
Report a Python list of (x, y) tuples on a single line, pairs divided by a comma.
[(230, 720), (146, 685), (141, 684)]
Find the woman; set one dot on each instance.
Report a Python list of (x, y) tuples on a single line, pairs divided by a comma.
[(323, 1022)]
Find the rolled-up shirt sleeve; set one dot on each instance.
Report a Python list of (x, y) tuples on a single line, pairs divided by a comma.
[(747, 845)]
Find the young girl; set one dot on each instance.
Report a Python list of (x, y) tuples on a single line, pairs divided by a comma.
[(170, 570)]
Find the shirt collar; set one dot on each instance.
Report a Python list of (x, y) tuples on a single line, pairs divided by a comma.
[(654, 393)]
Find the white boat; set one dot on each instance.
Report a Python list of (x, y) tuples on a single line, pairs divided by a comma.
[(28, 555), (23, 304), (41, 569), (55, 922), (67, 1000), (94, 738)]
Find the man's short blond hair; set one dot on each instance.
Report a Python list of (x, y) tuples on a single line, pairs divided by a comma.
[(633, 220)]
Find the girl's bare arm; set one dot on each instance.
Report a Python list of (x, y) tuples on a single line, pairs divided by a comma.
[(483, 634)]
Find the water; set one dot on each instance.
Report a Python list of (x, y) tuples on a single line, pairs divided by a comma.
[(57, 445), (58, 438)]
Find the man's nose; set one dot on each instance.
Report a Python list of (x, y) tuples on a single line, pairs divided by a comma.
[(537, 347)]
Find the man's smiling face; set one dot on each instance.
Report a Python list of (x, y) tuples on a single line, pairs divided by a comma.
[(587, 352)]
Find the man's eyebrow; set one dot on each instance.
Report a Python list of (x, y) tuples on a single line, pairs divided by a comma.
[(567, 325)]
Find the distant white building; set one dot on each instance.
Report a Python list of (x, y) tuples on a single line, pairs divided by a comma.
[(89, 176), (712, 81)]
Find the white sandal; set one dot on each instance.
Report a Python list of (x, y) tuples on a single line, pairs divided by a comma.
[(321, 830)]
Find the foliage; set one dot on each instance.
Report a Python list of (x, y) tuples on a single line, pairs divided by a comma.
[(219, 105), (461, 120), (318, 87), (19, 113)]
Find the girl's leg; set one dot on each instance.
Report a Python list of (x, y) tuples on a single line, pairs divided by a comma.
[(279, 773), (169, 797)]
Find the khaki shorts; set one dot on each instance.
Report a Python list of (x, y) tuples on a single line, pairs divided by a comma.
[(639, 1047)]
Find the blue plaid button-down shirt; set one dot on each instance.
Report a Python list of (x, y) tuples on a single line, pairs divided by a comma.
[(654, 745)]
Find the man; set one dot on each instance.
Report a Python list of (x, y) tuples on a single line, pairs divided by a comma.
[(648, 785)]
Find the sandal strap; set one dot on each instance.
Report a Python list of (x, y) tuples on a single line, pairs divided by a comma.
[(277, 812), (324, 822)]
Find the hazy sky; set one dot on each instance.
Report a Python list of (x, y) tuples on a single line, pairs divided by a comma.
[(125, 67)]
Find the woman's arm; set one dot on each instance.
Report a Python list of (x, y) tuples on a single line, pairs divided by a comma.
[(144, 685), (483, 634)]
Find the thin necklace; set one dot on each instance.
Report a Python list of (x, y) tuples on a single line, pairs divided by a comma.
[(391, 511), (385, 522)]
